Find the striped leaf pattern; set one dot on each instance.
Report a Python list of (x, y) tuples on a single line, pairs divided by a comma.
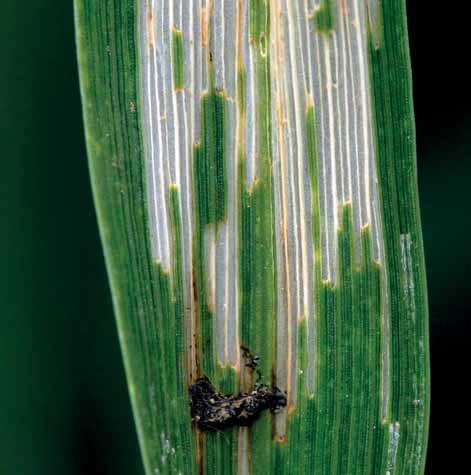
[(253, 165)]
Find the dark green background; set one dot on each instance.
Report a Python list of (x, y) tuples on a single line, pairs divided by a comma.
[(63, 403)]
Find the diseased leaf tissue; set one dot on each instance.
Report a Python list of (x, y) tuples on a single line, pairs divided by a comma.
[(253, 166), (213, 411)]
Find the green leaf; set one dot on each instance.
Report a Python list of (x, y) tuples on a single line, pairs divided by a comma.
[(254, 173)]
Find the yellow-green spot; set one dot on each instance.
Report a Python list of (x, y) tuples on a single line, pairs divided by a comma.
[(324, 17), (177, 59), (314, 186), (210, 160), (241, 89), (258, 19)]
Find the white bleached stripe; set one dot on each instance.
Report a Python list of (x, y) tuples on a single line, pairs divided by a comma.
[(217, 41), (172, 121), (231, 300), (291, 190), (328, 70), (284, 293), (251, 81), (373, 18), (393, 445), (337, 77)]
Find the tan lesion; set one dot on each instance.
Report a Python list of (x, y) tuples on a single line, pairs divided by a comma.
[(205, 17), (284, 371), (150, 27)]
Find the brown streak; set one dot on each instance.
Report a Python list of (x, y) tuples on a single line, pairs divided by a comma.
[(195, 375), (203, 31), (150, 28), (199, 452), (194, 336)]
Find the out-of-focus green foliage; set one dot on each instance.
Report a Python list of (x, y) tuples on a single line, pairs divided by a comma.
[(64, 407)]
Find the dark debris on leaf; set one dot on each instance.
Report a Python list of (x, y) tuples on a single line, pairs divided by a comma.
[(215, 412)]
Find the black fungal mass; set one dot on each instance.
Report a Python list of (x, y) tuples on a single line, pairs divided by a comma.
[(215, 412)]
